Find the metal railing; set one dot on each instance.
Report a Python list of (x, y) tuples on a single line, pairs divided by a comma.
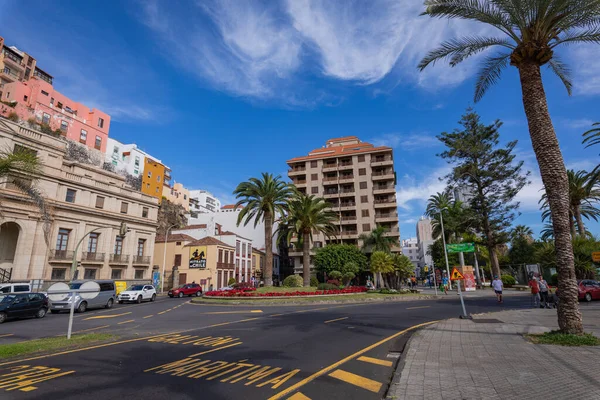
[(384, 201), (119, 258), (330, 178), (381, 159), (349, 204), (346, 177), (141, 259), (92, 256), (225, 265), (390, 215), (61, 255), (384, 173), (351, 218), (302, 169)]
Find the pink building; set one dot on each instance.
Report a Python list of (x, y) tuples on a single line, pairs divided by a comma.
[(36, 98)]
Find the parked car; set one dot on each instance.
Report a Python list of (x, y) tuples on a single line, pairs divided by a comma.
[(15, 287), (137, 293), (21, 305), (190, 289), (105, 299), (589, 290)]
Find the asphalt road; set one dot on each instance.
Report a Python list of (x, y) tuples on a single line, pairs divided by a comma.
[(174, 349)]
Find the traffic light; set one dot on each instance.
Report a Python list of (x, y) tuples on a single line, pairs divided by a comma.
[(123, 229)]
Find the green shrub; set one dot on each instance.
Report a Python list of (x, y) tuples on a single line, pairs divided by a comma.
[(554, 280), (337, 275), (45, 128), (326, 286), (508, 280), (32, 122), (293, 281), (388, 291), (347, 277), (231, 281), (314, 281), (13, 117)]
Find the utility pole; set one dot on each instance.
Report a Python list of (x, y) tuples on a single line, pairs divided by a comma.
[(445, 251)]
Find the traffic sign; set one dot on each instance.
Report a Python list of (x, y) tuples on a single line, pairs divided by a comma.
[(596, 256), (460, 248), (455, 275)]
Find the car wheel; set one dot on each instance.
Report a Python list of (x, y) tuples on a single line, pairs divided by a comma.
[(588, 297), (110, 303), (2, 317), (153, 297), (82, 307), (54, 311), (198, 293), (41, 313), (180, 294), (139, 299)]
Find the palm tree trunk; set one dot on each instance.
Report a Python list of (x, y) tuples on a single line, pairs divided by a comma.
[(306, 259), (580, 225), (572, 225), (268, 276), (554, 177)]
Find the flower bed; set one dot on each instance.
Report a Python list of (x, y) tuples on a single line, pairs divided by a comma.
[(245, 293)]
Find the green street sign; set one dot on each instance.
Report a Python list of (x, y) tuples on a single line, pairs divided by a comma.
[(460, 248)]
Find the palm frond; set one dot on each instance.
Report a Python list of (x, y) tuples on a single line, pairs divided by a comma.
[(490, 74), (591, 35), (592, 137), (460, 49), (562, 71)]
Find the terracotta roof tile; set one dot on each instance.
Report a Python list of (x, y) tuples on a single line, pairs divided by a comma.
[(343, 139), (228, 233), (340, 151), (175, 237), (208, 241), (230, 207)]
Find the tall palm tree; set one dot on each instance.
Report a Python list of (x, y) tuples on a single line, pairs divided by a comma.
[(264, 200), (529, 32), (592, 137), (21, 168), (308, 215), (377, 241), (522, 231)]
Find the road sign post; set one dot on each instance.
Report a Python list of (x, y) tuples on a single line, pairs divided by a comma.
[(457, 276)]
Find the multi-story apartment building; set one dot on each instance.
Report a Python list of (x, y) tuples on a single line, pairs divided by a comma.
[(17, 66), (410, 248), (203, 201), (177, 194), (81, 198), (359, 181)]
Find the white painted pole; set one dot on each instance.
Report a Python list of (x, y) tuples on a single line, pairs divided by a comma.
[(445, 251), (462, 302), (73, 294)]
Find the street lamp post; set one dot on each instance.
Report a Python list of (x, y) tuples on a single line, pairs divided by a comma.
[(162, 280), (445, 251), (74, 262)]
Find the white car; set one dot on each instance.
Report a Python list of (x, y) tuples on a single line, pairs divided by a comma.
[(137, 293)]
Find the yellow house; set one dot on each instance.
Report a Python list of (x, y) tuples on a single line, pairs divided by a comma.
[(258, 263), (171, 253), (208, 262), (177, 194), (154, 178)]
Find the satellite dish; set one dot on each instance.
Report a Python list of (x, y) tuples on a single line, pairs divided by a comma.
[(89, 285), (58, 287)]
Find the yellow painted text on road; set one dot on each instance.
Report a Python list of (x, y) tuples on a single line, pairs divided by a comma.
[(24, 377), (226, 372), (207, 341), (107, 316), (356, 380), (298, 396)]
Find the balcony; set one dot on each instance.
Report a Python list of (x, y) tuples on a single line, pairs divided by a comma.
[(329, 194), (297, 171), (300, 183), (13, 61), (347, 206), (329, 167), (396, 249), (380, 176), (141, 260), (386, 217), (349, 234), (60, 256), (92, 258), (387, 203), (222, 265), (384, 189), (391, 232), (382, 161), (344, 165), (9, 75), (346, 178), (348, 220), (330, 179), (119, 259), (347, 191)]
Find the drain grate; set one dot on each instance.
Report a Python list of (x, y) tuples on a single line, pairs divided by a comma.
[(487, 321)]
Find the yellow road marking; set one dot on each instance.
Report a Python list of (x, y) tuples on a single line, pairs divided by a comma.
[(377, 361), (298, 396), (218, 348), (162, 312), (342, 361), (277, 315), (414, 308), (337, 319), (148, 316), (7, 334), (126, 322), (357, 380), (234, 312), (107, 316)]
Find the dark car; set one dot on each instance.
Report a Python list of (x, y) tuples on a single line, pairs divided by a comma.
[(589, 290), (22, 305), (190, 289)]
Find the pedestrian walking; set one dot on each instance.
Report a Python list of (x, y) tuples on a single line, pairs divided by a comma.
[(543, 293), (413, 282), (535, 291), (444, 285), (498, 286)]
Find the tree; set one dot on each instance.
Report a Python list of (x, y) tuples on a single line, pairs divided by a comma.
[(21, 168), (340, 257), (377, 241), (521, 231), (403, 268), (481, 164), (263, 200), (530, 31), (436, 251), (308, 214), (381, 263), (521, 245), (170, 215), (545, 254)]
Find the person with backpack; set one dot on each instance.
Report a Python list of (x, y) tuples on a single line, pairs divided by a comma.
[(535, 291), (543, 293)]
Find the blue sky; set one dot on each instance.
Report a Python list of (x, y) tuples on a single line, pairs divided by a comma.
[(224, 90)]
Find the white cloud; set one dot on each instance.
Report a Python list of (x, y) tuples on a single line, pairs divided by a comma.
[(585, 64), (408, 142), (585, 165), (413, 194), (575, 123)]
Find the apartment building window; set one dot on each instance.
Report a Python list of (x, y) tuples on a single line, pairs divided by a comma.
[(70, 198), (363, 185), (243, 265), (362, 171), (314, 177), (361, 158), (44, 93), (220, 258), (227, 257), (150, 176), (59, 274), (89, 273), (137, 161), (59, 105), (25, 98), (237, 247), (62, 240), (313, 164), (365, 213), (158, 178), (177, 243), (243, 249), (177, 261), (144, 212), (99, 202), (100, 123), (64, 125), (156, 190), (116, 273), (124, 207), (46, 118), (366, 227), (98, 143), (231, 257), (118, 245), (140, 247), (52, 101), (139, 274), (83, 139), (93, 242), (315, 190), (364, 199)]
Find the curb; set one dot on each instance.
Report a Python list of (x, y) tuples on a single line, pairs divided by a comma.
[(237, 301)]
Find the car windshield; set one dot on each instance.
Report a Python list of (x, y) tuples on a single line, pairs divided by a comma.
[(135, 287), (75, 285), (7, 298)]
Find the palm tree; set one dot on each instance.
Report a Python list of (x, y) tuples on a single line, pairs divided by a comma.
[(21, 168), (308, 215), (530, 31), (592, 137), (403, 267), (263, 200), (377, 241), (381, 262), (522, 231)]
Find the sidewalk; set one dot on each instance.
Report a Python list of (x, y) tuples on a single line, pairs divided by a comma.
[(463, 359)]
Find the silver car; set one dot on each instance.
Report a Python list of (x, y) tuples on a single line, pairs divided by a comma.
[(105, 299)]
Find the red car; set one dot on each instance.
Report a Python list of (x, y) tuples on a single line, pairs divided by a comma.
[(190, 289), (589, 290)]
